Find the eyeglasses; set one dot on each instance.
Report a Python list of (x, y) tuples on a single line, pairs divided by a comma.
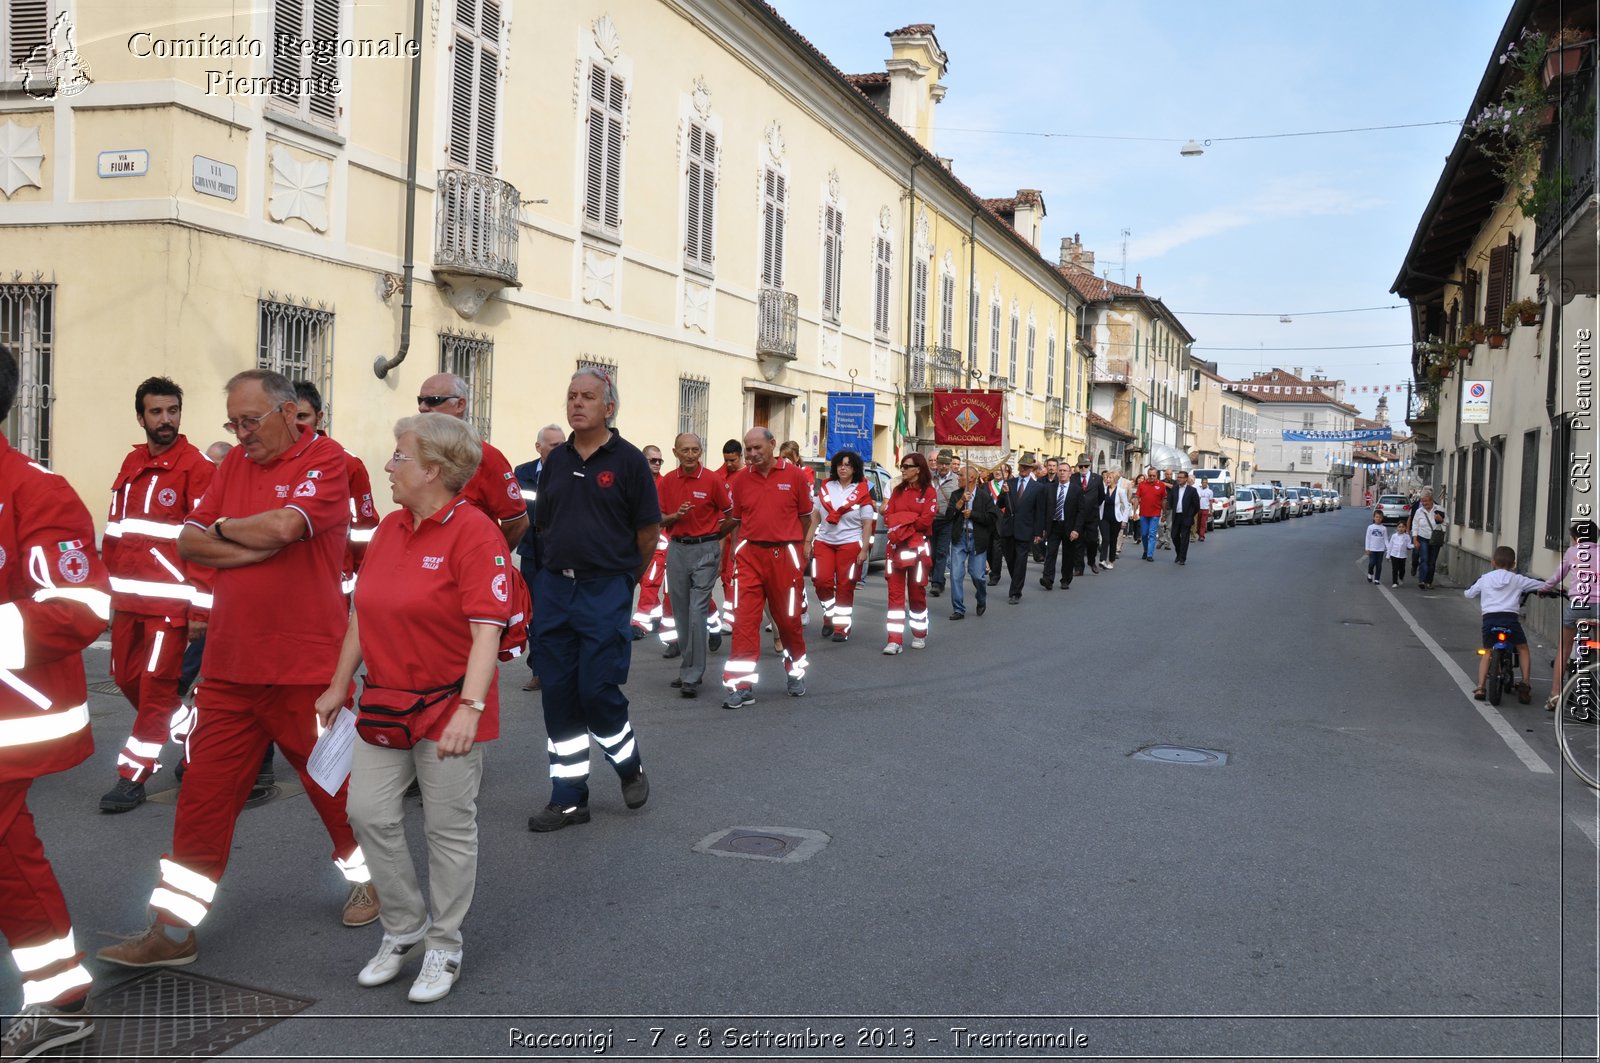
[(435, 400), (397, 456), (908, 465), (655, 461), (241, 425)]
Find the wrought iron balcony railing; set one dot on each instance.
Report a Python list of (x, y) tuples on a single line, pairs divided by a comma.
[(1054, 414), (999, 383), (777, 322), (936, 367), (476, 225), (1567, 167)]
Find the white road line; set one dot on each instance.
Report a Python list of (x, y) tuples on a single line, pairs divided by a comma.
[(1588, 827), (1491, 716), (103, 644)]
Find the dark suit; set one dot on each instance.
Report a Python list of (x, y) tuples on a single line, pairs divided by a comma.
[(1185, 503), (1027, 503), (1087, 518), (1080, 512), (985, 513), (530, 550)]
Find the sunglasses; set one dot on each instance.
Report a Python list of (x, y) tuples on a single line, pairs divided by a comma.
[(908, 465), (655, 461), (434, 400)]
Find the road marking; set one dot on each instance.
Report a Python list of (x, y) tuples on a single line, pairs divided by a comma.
[(1588, 827), (103, 644), (1491, 716)]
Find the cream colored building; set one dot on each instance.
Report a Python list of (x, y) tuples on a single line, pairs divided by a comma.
[(1222, 422), (685, 192)]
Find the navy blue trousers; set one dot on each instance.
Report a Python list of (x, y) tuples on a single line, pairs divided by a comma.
[(581, 645)]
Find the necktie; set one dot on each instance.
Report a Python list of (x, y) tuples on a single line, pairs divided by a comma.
[(1061, 502)]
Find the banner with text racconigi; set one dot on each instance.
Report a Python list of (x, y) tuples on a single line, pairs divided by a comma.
[(968, 418)]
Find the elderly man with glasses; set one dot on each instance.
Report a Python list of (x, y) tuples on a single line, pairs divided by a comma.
[(493, 488)]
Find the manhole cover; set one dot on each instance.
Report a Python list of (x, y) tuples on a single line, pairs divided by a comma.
[(168, 1015), (1356, 623), (259, 795), (1182, 755), (787, 845)]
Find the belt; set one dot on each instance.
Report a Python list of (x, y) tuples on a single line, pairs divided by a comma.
[(770, 545), (583, 573), (690, 540)]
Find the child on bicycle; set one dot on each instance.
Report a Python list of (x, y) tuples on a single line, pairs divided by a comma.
[(1582, 563), (1499, 592), (1399, 550), (1377, 544)]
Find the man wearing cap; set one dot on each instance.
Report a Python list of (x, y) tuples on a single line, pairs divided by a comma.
[(1027, 500), (1089, 495), (945, 482)]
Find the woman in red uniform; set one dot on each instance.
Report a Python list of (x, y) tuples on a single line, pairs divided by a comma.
[(839, 551), (907, 521), (437, 594)]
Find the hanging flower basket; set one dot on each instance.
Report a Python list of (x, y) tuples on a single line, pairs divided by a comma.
[(1497, 340)]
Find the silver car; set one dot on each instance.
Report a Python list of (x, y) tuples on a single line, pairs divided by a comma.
[(1270, 500), (1245, 510), (1395, 508)]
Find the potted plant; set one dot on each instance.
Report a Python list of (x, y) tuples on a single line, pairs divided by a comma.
[(1523, 311), (1564, 54), (1476, 331), (1497, 340)]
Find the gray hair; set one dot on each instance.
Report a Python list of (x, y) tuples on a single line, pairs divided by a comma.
[(459, 388), (608, 382), (448, 443), (766, 433), (690, 435), (557, 429), (279, 388)]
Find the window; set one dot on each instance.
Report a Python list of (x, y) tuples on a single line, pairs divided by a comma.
[(297, 341), (1032, 335), (1497, 460), (994, 338), (1016, 326), (602, 201), (1559, 485), (972, 328), (1479, 460), (472, 359), (947, 310), (699, 248), (1458, 486), (694, 405), (774, 211), (919, 304), (882, 277), (1305, 456), (609, 369), (1498, 291), (24, 27), (832, 261), (1309, 422), (1050, 367), (27, 326), (305, 27)]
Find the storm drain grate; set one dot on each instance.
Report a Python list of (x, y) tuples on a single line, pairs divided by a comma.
[(1205, 758), (785, 845), (108, 687), (167, 1015)]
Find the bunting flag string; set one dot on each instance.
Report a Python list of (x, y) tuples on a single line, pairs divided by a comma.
[(1346, 435)]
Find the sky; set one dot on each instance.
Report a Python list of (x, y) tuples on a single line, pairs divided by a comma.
[(1273, 226)]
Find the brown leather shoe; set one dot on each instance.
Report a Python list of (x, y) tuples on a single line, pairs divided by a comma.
[(532, 684), (362, 907), (153, 948)]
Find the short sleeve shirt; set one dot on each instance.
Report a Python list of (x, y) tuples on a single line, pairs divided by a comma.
[(709, 495), (774, 507), (281, 620), (494, 488), (590, 511), (423, 587)]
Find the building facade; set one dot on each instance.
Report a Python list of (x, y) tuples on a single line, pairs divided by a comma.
[(1289, 403)]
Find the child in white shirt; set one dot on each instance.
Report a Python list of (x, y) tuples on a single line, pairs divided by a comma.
[(1499, 594), (1377, 544), (1399, 550)]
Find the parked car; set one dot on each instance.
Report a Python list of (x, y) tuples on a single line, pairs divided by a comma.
[(880, 482), (1302, 496), (1221, 482), (1395, 508), (1323, 498), (1270, 500), (1245, 510)]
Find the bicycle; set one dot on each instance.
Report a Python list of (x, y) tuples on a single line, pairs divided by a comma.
[(1578, 715), (1502, 662)]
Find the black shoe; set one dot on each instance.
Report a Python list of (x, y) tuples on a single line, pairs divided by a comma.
[(689, 690), (827, 626), (1183, 562), (981, 607), (125, 796), (994, 583), (640, 633), (554, 817), (715, 643), (1047, 586), (636, 791), (958, 616), (677, 683), (672, 650), (1149, 559), (1014, 599), (841, 636), (1095, 570), (934, 592)]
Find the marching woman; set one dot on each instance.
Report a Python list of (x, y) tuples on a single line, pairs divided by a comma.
[(840, 550), (907, 522)]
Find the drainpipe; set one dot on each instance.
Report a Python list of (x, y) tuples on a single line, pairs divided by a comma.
[(972, 286), (382, 366), (911, 272)]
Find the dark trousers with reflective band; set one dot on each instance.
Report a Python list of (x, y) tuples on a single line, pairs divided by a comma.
[(146, 662), (33, 913), (582, 644)]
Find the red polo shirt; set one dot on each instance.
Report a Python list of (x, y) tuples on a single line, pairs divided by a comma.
[(774, 507), (1152, 496), (494, 488), (421, 590), (281, 620), (705, 489)]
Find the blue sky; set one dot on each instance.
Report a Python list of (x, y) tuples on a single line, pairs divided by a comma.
[(1272, 226)]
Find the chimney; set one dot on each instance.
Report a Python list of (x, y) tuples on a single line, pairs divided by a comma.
[(1029, 214), (915, 65), (1138, 281), (1073, 254)]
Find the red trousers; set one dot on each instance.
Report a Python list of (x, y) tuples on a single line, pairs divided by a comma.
[(650, 597), (834, 573), (766, 577), (727, 584), (146, 662), (33, 913), (908, 577), (1200, 523), (234, 722)]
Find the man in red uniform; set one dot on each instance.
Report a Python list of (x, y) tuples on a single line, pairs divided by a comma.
[(160, 599), (732, 462), (54, 600), (273, 525), (363, 514), (648, 613), (772, 503), (493, 488), (694, 515)]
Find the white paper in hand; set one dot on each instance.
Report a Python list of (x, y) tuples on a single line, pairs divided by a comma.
[(329, 763)]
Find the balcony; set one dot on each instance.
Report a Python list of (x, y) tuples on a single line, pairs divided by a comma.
[(936, 367), (777, 329), (476, 236), (1341, 471), (1054, 415), (999, 383), (1564, 249)]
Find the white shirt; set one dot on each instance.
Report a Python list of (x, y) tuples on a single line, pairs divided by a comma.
[(848, 530), (1205, 495), (1400, 544), (1377, 538), (1499, 590)]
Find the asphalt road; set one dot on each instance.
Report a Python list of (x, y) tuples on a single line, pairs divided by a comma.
[(1375, 871)]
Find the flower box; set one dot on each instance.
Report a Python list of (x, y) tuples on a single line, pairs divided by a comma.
[(1497, 340), (1563, 61)]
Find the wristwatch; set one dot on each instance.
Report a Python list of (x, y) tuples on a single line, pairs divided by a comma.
[(216, 526), (469, 703)]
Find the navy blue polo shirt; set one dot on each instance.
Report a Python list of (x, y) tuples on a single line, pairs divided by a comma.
[(589, 512)]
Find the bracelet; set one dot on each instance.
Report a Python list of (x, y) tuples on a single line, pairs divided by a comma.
[(470, 703)]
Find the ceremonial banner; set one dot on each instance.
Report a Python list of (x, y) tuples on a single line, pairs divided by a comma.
[(968, 418), (1351, 435), (850, 423)]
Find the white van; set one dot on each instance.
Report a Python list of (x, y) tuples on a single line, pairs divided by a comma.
[(1221, 481)]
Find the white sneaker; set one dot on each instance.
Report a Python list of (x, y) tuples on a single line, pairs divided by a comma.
[(1108, 564), (919, 644), (892, 648), (385, 966), (440, 969)]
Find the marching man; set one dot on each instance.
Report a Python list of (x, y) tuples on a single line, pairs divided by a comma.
[(161, 601)]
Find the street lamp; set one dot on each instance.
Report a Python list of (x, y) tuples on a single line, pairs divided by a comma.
[(1191, 149)]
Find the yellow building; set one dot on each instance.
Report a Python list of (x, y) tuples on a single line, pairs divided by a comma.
[(685, 192), (1222, 423)]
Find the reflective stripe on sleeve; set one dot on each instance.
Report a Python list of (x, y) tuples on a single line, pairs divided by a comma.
[(13, 649), (147, 589), (147, 750), (99, 602), (45, 990), (354, 867), (38, 957), (362, 535)]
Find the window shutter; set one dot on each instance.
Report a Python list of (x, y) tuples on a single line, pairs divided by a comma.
[(288, 20), (693, 206), (708, 197), (325, 33), (1470, 296), (594, 189), (779, 217), (30, 28), (613, 172), (1496, 290), (462, 91)]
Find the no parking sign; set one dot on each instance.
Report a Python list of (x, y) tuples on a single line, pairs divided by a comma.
[(1475, 402)]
